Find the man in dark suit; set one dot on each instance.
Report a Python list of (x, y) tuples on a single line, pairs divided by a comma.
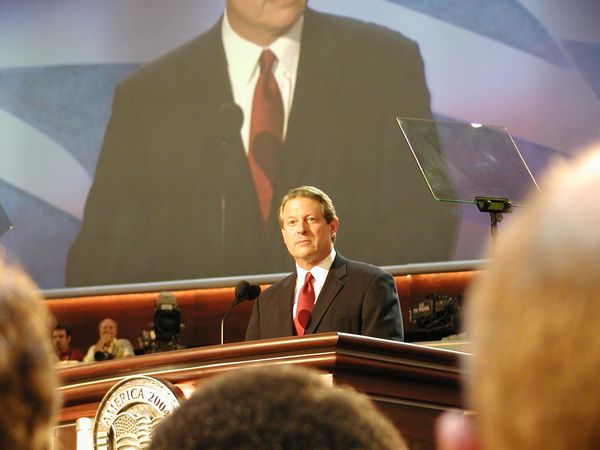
[(346, 296), (174, 197)]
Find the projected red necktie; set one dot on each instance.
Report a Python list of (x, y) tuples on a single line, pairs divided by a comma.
[(266, 133), (306, 301)]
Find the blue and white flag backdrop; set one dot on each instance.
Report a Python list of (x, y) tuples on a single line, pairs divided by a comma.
[(532, 66)]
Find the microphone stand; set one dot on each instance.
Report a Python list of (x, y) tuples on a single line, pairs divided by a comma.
[(243, 291), (235, 301)]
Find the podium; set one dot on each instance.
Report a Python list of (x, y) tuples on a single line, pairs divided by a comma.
[(409, 383)]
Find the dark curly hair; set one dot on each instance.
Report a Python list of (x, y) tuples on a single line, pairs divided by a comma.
[(276, 407)]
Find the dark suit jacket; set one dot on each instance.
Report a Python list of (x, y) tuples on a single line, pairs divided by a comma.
[(356, 298), (174, 199)]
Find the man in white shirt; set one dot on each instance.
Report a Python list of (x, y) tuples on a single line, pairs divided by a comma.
[(177, 193), (343, 295), (108, 346)]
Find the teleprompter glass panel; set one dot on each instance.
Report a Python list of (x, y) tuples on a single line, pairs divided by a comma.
[(464, 161)]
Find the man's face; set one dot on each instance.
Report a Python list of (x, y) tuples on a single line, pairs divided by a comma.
[(307, 235), (61, 340), (108, 328), (262, 21)]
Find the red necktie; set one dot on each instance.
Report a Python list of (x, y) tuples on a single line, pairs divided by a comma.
[(266, 133), (306, 300)]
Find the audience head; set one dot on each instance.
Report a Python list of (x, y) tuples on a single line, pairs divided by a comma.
[(533, 319), (273, 408), (28, 381), (61, 337)]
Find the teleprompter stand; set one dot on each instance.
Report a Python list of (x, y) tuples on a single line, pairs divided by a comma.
[(496, 206)]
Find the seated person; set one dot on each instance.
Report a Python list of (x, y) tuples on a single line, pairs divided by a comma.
[(108, 346), (61, 337), (275, 407)]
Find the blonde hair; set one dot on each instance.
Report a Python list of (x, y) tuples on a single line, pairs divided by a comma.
[(533, 318), (28, 381)]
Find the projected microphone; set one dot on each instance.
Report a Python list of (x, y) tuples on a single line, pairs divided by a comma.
[(243, 291), (228, 122), (225, 132)]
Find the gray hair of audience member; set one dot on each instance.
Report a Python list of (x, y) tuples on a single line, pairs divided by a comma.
[(28, 381), (276, 407), (534, 315)]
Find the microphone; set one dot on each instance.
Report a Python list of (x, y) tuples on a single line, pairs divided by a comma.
[(253, 292), (243, 291), (228, 122)]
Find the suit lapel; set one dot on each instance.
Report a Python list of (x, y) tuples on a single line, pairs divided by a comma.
[(314, 102), (333, 285), (205, 57), (286, 307)]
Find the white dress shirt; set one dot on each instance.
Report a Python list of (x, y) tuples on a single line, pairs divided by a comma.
[(319, 272), (243, 67)]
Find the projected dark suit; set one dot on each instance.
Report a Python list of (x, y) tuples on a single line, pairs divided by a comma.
[(173, 197)]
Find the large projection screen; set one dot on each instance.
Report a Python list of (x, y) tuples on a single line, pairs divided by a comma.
[(531, 66)]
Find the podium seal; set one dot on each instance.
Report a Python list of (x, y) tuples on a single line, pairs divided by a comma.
[(130, 411)]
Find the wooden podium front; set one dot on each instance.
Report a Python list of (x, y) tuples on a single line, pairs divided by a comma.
[(409, 383)]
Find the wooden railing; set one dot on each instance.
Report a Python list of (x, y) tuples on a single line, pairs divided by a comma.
[(203, 307)]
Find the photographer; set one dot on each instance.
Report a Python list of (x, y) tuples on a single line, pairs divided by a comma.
[(108, 346)]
